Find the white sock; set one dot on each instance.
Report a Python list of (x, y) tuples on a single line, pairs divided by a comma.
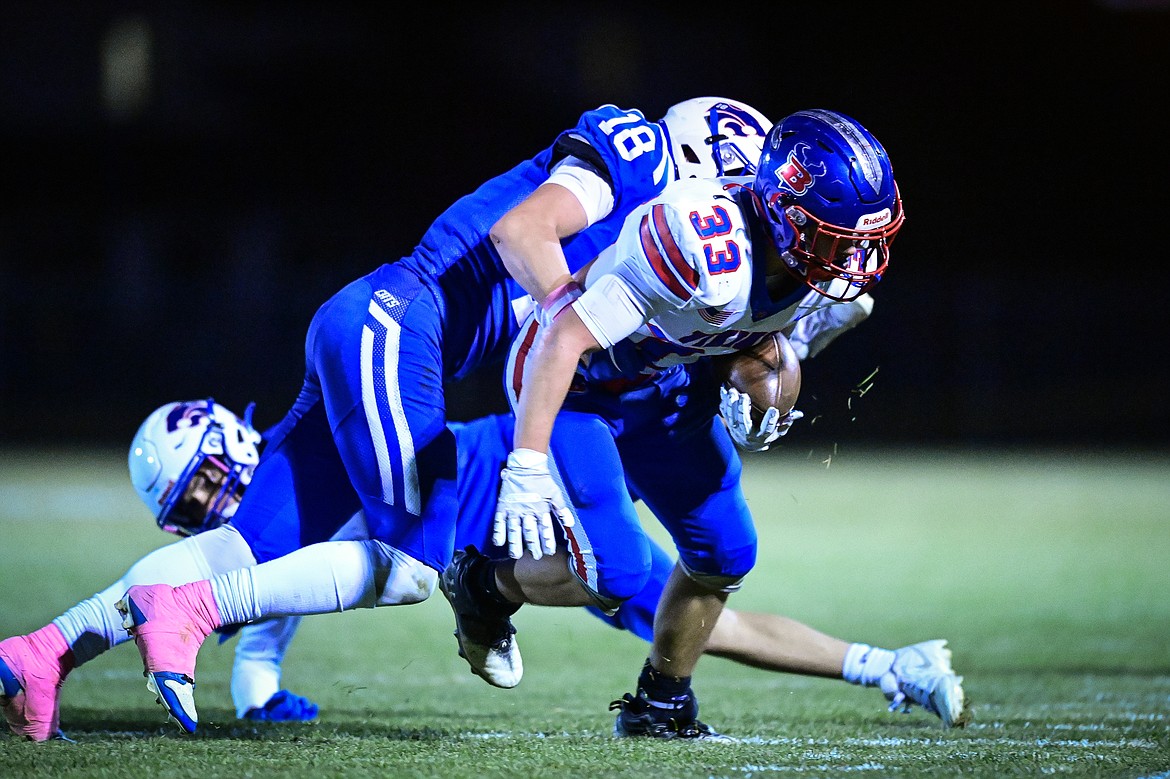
[(259, 653), (94, 625), (319, 579), (865, 664)]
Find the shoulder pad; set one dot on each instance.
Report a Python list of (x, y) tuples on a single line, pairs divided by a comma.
[(695, 240)]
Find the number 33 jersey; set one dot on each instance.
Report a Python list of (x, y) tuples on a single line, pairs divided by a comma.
[(684, 279)]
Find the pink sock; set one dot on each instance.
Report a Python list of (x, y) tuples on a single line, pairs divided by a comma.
[(49, 643), (200, 603)]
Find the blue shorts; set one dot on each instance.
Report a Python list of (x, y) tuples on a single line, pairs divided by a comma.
[(677, 457), (367, 431), (663, 443)]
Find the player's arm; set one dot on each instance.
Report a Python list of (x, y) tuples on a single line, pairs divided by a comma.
[(529, 497), (547, 376), (810, 335), (528, 237)]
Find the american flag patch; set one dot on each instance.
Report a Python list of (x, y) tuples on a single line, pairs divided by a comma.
[(715, 316)]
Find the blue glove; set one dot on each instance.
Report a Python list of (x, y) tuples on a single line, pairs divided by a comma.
[(284, 706)]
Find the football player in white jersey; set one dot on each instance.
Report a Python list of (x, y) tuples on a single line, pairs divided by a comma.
[(707, 268)]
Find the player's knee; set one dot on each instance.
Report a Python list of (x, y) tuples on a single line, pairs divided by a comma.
[(399, 579), (620, 587), (622, 575), (721, 571)]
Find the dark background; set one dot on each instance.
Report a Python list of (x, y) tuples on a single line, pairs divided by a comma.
[(183, 184)]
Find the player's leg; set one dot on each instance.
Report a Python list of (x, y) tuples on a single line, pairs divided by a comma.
[(771, 642), (35, 665), (687, 471), (260, 651), (255, 687), (602, 560), (359, 433), (917, 674)]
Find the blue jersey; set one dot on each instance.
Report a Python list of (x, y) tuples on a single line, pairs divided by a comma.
[(456, 254), (368, 429)]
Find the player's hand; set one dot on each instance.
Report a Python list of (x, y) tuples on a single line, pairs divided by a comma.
[(736, 409), (529, 500)]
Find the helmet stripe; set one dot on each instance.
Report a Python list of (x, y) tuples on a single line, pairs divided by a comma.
[(863, 150)]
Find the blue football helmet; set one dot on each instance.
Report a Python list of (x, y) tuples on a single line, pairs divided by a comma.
[(190, 462), (829, 199)]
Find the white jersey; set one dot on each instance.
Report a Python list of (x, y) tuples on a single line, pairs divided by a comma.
[(681, 283)]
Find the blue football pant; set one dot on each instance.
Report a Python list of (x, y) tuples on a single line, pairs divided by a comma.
[(367, 431), (483, 447)]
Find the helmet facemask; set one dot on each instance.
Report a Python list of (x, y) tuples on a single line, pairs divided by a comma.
[(190, 462), (208, 491), (838, 262), (830, 202)]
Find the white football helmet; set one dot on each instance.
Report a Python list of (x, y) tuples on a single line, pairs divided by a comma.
[(714, 136), (190, 462)]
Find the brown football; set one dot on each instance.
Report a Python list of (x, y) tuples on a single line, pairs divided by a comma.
[(769, 373)]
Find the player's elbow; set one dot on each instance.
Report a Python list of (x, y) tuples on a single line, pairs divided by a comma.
[(569, 338), (514, 234), (506, 231)]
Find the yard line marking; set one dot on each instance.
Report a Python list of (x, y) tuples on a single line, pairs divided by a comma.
[(893, 742)]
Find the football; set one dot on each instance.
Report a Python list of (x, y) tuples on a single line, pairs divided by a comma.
[(768, 373)]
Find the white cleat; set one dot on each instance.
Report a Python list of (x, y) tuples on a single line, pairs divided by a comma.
[(922, 675)]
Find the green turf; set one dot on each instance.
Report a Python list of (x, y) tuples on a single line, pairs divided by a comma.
[(1049, 573)]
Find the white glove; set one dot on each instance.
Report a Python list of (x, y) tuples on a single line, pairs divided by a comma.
[(812, 334), (736, 410), (529, 498)]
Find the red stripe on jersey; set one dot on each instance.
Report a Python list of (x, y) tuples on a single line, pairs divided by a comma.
[(575, 552), (528, 338), (689, 275), (658, 263)]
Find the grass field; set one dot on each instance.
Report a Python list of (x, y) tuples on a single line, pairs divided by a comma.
[(1049, 574)]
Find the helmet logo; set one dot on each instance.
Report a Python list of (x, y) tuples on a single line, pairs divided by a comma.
[(874, 221), (734, 121), (186, 415), (797, 174)]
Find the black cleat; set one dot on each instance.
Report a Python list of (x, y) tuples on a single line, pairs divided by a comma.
[(638, 717), (486, 636)]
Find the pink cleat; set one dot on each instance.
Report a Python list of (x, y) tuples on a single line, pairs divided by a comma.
[(168, 625), (32, 670)]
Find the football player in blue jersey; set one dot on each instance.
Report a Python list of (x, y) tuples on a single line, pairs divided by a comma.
[(706, 268), (762, 640), (191, 461), (368, 430)]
